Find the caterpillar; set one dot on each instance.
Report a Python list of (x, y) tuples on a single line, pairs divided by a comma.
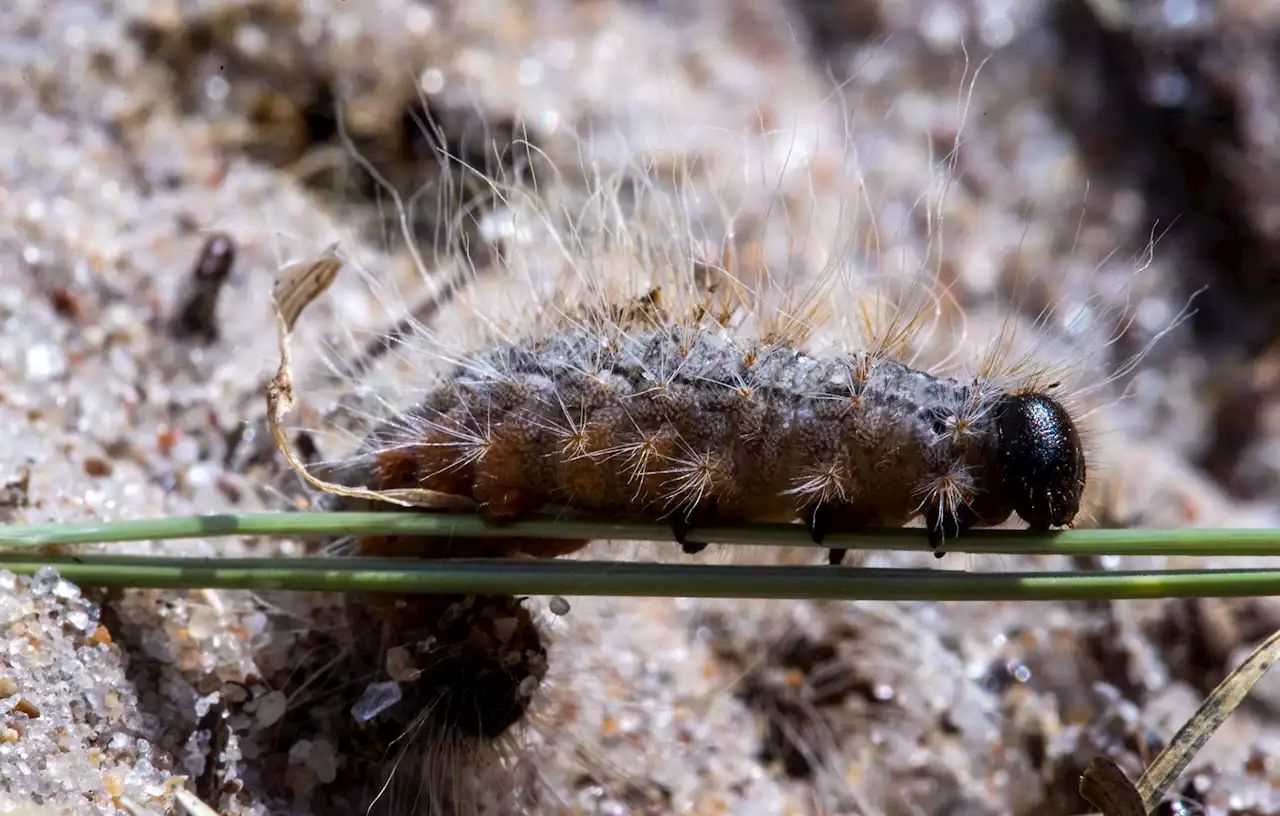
[(653, 373), (700, 400), (630, 351), (691, 422)]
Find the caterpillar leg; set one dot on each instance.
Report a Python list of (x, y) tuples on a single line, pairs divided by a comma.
[(817, 520), (686, 518), (944, 522), (680, 527)]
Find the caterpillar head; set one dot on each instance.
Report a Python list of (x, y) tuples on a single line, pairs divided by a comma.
[(1042, 461)]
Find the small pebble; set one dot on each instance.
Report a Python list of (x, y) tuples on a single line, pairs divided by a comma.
[(400, 665), (528, 686), (25, 706), (43, 582), (79, 619), (271, 708), (377, 698), (97, 468), (322, 759), (45, 363), (203, 622), (299, 751)]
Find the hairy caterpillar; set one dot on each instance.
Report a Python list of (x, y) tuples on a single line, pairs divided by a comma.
[(653, 373), (688, 421), (483, 659), (652, 360), (700, 401)]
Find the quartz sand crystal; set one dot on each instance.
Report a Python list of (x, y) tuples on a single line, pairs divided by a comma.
[(73, 733)]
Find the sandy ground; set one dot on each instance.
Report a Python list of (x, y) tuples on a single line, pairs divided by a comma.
[(132, 130)]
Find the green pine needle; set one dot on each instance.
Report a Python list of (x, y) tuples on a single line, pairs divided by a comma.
[(570, 577), (1258, 542), (538, 577)]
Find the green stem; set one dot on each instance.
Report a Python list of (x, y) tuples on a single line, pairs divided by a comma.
[(1260, 542), (534, 577)]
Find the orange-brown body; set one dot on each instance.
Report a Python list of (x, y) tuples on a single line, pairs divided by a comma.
[(697, 427)]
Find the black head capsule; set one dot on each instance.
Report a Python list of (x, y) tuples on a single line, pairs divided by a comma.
[(1042, 465)]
